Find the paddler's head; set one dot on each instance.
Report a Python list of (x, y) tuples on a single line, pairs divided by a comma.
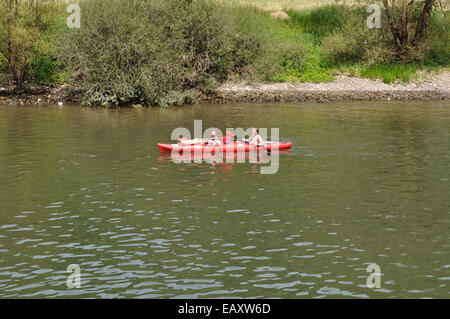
[(255, 131), (213, 134)]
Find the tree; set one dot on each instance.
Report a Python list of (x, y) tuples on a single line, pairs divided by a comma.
[(407, 35)]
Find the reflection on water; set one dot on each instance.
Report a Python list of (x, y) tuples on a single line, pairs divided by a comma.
[(364, 183), (226, 161)]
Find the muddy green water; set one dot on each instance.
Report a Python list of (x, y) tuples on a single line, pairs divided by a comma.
[(364, 183)]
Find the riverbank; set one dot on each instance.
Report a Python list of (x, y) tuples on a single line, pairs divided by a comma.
[(34, 94), (211, 42), (344, 87)]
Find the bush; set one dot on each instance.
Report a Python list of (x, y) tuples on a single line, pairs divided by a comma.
[(341, 48), (436, 47), (45, 69), (354, 42), (157, 52), (259, 39), (23, 26)]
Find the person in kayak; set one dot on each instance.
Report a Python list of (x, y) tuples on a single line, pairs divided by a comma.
[(255, 139), (213, 140)]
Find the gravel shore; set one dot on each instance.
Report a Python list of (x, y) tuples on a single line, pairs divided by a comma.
[(345, 87)]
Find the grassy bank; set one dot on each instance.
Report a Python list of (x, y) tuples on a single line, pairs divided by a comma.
[(170, 52)]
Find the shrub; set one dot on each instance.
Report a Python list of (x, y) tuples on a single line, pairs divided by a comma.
[(157, 52), (45, 69), (354, 42), (258, 42), (436, 47), (339, 47), (23, 24)]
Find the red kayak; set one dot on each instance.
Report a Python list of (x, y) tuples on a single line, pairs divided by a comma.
[(226, 148)]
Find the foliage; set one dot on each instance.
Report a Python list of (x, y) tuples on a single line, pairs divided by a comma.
[(23, 26), (322, 20), (157, 52), (168, 52)]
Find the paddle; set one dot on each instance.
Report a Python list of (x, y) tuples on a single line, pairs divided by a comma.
[(267, 142)]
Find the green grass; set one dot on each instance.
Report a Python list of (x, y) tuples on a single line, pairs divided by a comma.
[(388, 73), (295, 53)]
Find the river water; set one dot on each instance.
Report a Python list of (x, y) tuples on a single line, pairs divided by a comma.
[(365, 183)]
